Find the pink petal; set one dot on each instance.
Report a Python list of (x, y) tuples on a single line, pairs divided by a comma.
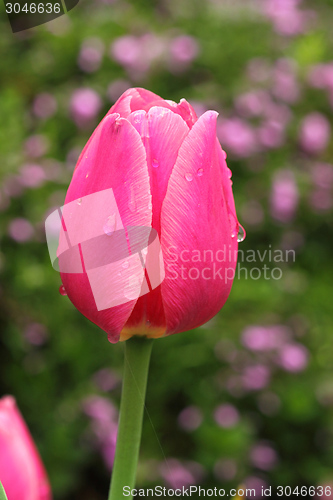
[(195, 216), (187, 112), (163, 132), (21, 469), (166, 132), (134, 99), (116, 160), (141, 99)]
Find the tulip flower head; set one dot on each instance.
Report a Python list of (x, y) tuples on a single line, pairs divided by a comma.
[(149, 229), (22, 473)]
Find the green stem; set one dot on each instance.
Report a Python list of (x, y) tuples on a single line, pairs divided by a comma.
[(137, 356)]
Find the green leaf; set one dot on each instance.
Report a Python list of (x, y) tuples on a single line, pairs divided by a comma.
[(2, 493)]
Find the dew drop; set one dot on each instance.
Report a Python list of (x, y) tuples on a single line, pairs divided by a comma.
[(189, 177), (62, 290), (110, 225), (200, 172), (241, 233), (79, 201), (125, 264), (138, 118), (233, 225), (229, 172), (155, 163)]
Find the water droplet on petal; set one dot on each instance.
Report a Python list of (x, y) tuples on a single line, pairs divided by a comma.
[(155, 163), (138, 117), (125, 264), (62, 290), (79, 201), (224, 154), (241, 233), (229, 172), (110, 225), (233, 225), (189, 177), (200, 172)]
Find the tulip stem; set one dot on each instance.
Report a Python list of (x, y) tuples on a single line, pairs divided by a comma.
[(136, 365)]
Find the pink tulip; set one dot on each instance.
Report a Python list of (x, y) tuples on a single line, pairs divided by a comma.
[(167, 171), (22, 473)]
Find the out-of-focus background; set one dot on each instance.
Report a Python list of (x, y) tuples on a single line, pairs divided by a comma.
[(248, 398)]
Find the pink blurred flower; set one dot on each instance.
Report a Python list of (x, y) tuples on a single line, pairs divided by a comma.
[(183, 50), (285, 85), (322, 175), (36, 146), (35, 334), (277, 112), (44, 105), (91, 54), (226, 416), (178, 474), (257, 484), (321, 76), (258, 70), (237, 136), (271, 134), (20, 230), (263, 456), (99, 409), (190, 418), (294, 357), (137, 53), (32, 176), (315, 133), (21, 470), (287, 18), (264, 338), (256, 377), (284, 196), (104, 425), (252, 104), (106, 379), (321, 200), (85, 105), (126, 50), (12, 186)]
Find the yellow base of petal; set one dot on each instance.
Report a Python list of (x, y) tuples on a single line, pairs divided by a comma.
[(150, 332)]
